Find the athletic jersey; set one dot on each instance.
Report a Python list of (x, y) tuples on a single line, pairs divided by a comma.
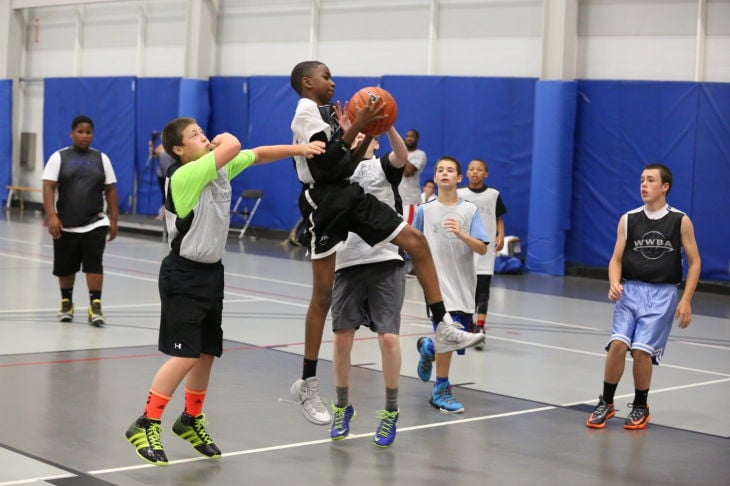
[(653, 246), (454, 260), (490, 205), (198, 205), (377, 177), (82, 177), (410, 187), (312, 122)]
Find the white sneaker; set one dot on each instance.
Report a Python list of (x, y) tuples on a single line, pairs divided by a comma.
[(451, 337), (306, 393)]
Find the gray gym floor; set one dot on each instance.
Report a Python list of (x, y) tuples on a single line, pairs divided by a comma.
[(69, 391)]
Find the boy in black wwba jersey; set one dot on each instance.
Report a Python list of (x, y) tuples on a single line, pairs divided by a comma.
[(643, 274)]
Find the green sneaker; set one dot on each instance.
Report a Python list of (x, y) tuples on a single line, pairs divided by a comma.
[(96, 317), (66, 312), (192, 429), (144, 435)]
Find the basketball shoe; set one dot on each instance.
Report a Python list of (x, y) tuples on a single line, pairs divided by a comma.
[(341, 421), (442, 399), (425, 362), (192, 429), (96, 317), (66, 312), (638, 418), (385, 433), (450, 336), (601, 414), (306, 393), (144, 435)]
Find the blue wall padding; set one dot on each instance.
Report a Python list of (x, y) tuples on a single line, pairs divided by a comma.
[(550, 181), (711, 191), (110, 102), (624, 125), (229, 106), (467, 118), (6, 137), (271, 105), (157, 104), (194, 101)]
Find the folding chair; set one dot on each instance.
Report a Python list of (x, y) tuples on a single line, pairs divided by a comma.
[(245, 213)]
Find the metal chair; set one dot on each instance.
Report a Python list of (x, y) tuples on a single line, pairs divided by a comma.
[(254, 196)]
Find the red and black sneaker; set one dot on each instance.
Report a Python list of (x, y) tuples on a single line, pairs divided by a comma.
[(601, 414)]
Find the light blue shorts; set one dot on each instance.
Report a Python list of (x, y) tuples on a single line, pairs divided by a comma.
[(643, 317)]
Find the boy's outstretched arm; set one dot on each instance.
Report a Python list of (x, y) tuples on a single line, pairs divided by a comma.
[(399, 156), (270, 153)]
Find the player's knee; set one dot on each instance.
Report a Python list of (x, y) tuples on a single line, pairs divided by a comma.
[(389, 341), (322, 297)]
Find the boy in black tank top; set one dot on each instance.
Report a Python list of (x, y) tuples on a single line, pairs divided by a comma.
[(643, 274)]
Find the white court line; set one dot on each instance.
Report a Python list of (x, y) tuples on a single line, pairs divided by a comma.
[(328, 441), (589, 353), (653, 392), (40, 478), (713, 346)]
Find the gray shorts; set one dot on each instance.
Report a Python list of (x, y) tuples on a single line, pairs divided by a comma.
[(369, 295)]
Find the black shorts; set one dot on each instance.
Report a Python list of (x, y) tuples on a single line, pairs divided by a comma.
[(332, 211), (73, 250), (191, 295)]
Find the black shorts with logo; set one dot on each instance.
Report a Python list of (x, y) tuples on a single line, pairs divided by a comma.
[(191, 295)]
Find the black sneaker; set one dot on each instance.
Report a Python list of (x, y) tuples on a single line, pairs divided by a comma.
[(192, 429), (144, 435), (96, 316), (66, 312), (601, 414), (638, 418)]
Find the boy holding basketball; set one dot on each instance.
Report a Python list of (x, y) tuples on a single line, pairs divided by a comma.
[(332, 207), (455, 232), (197, 212)]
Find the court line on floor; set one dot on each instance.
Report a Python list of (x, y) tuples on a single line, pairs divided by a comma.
[(327, 440), (589, 353)]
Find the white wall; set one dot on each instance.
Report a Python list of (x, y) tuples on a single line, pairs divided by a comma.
[(616, 39)]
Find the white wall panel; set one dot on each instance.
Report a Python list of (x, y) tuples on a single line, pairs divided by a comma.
[(498, 56), (110, 61), (650, 58), (260, 58), (374, 57), (717, 59)]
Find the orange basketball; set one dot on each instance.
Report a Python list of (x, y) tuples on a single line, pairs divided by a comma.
[(379, 96)]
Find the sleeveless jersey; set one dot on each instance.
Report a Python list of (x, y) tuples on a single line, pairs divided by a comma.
[(653, 247), (490, 205)]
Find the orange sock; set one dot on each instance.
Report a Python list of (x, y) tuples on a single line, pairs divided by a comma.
[(194, 400), (156, 404)]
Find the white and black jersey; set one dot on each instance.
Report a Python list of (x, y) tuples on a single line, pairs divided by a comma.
[(653, 246), (491, 207)]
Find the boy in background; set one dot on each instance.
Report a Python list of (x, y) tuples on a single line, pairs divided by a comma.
[(491, 209), (197, 215), (455, 232), (369, 289)]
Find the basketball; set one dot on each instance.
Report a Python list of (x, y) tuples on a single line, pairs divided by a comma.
[(378, 96)]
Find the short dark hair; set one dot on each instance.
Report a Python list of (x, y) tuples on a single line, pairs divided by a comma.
[(415, 132), (81, 119), (300, 71), (664, 173), (484, 163), (429, 181), (449, 159), (172, 134)]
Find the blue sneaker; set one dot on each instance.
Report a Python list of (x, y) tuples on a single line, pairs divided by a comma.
[(385, 433), (425, 363), (341, 421), (442, 399)]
